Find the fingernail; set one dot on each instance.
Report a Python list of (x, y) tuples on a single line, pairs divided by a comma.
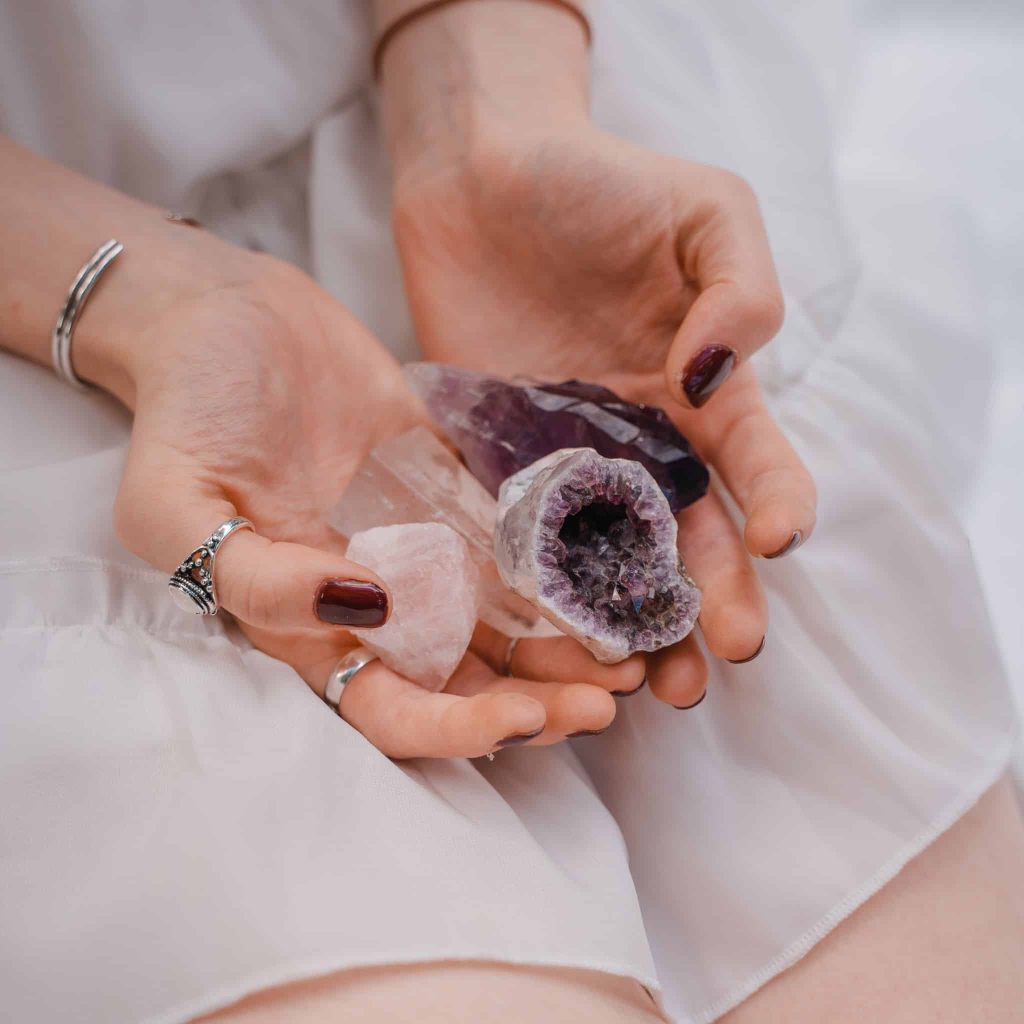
[(688, 707), (629, 693), (525, 737), (586, 732), (743, 661), (707, 371), (791, 545), (351, 603)]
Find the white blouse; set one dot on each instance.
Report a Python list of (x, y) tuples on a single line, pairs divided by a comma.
[(182, 822)]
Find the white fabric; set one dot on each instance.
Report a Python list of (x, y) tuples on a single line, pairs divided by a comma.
[(182, 822)]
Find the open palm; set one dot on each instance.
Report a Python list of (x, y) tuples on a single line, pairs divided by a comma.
[(262, 401), (583, 256)]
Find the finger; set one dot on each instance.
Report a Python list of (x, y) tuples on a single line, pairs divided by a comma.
[(724, 254), (734, 613), (678, 675), (571, 709), (558, 659), (266, 584), (403, 720), (758, 465)]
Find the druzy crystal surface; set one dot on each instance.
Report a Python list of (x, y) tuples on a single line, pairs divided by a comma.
[(434, 586), (591, 542), (501, 427), (414, 478)]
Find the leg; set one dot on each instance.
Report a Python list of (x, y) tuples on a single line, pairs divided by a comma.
[(943, 941), (449, 993)]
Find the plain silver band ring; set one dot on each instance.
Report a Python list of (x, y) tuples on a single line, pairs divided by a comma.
[(341, 675), (193, 585), (506, 662)]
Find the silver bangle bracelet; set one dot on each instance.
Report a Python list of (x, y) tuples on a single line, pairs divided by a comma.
[(77, 296)]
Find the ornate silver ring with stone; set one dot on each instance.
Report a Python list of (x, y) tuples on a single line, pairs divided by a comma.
[(193, 585)]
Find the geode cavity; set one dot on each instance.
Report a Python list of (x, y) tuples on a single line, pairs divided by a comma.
[(591, 542), (501, 427)]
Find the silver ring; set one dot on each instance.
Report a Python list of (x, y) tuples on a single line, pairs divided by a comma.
[(342, 673), (193, 585), (506, 662)]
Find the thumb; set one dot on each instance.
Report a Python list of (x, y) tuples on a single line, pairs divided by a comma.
[(276, 585), (739, 305)]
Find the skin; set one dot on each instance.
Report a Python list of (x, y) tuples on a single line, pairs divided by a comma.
[(451, 993)]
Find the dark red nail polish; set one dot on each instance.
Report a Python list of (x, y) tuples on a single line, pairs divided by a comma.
[(791, 545), (707, 372), (629, 693), (514, 741), (351, 603), (689, 707), (586, 732), (743, 661)]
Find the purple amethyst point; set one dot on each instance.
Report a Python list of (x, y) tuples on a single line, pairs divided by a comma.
[(591, 543), (501, 427)]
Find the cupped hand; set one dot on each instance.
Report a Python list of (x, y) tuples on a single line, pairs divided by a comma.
[(581, 255), (258, 395)]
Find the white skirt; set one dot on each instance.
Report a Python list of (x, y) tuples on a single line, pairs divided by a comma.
[(182, 822)]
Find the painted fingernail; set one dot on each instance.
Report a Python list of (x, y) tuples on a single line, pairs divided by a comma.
[(743, 661), (525, 737), (791, 545), (707, 371), (351, 603), (587, 732), (629, 693), (688, 707)]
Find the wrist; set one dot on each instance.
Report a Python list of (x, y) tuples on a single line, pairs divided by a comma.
[(164, 268), (477, 77)]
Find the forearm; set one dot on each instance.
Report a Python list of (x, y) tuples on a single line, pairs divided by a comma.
[(51, 221), (475, 73)]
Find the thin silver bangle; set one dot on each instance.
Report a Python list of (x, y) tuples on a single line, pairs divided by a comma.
[(77, 296)]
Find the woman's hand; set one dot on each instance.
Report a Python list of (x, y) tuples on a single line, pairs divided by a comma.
[(261, 399), (532, 243), (254, 394)]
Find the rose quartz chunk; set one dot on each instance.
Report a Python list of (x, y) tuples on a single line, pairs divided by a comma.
[(435, 591), (414, 478)]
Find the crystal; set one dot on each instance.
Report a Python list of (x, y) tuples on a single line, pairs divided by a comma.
[(501, 427), (414, 478), (434, 587), (591, 542)]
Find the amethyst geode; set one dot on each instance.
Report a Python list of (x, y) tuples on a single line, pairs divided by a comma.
[(591, 542), (501, 427)]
